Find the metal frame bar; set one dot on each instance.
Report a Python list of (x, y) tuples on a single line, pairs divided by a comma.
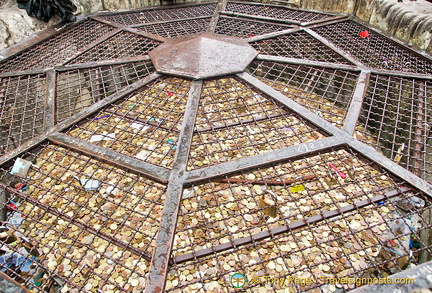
[(168, 21), (273, 35), (102, 63), (50, 96), (249, 16), (357, 102), (159, 264), (221, 6), (155, 172)]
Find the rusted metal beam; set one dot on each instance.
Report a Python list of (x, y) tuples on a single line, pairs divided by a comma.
[(49, 103), (74, 221), (297, 61), (78, 117), (40, 37), (169, 21), (24, 72), (158, 271), (335, 48), (356, 102), (88, 65), (289, 153), (401, 74), (155, 172), (311, 25), (326, 21), (220, 7), (324, 215), (273, 35)]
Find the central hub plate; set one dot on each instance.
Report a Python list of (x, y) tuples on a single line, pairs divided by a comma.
[(205, 55)]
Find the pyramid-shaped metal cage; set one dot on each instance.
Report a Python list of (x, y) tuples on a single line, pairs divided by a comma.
[(314, 162)]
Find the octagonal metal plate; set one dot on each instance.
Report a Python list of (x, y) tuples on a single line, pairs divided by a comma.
[(203, 56)]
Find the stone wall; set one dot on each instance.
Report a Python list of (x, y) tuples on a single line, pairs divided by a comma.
[(408, 20)]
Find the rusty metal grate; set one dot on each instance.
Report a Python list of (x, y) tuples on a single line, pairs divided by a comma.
[(234, 121), (157, 15), (122, 174), (145, 125), (177, 28), (80, 88), (243, 28), (275, 12), (123, 44), (290, 220), (397, 111), (326, 92), (21, 109), (375, 51), (298, 45), (58, 49), (77, 233)]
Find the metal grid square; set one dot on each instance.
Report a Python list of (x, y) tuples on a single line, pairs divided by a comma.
[(156, 15), (178, 28), (327, 92), (235, 121), (297, 219), (21, 109), (79, 239), (397, 111), (57, 49), (78, 89), (299, 45), (376, 50), (280, 12), (244, 28), (123, 44), (145, 125)]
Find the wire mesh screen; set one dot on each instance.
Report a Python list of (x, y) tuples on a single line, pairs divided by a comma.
[(275, 12), (234, 121), (178, 28), (157, 15), (58, 49), (123, 44), (77, 224), (298, 45), (298, 219), (78, 89), (326, 92), (374, 50), (145, 125), (21, 109), (243, 28), (397, 111)]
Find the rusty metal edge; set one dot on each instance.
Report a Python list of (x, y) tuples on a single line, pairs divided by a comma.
[(74, 221), (77, 117), (25, 72), (263, 18), (93, 44), (324, 215), (108, 13), (49, 103), (297, 61), (289, 153), (14, 283), (157, 274), (88, 65), (334, 19), (335, 48), (401, 74), (273, 35), (342, 19), (154, 172), (221, 6), (39, 37), (356, 102)]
